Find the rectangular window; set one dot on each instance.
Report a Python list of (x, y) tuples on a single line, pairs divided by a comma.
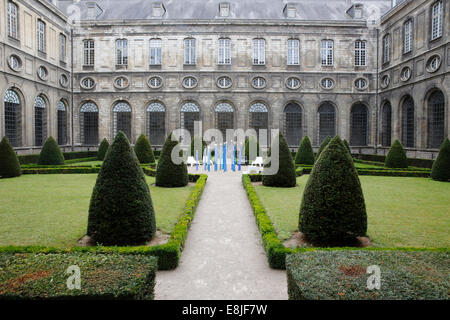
[(12, 20), (386, 49), (89, 53), (326, 52), (41, 36), (189, 51), (407, 41), (224, 51), (293, 56), (360, 53), (62, 47), (437, 20), (259, 51), (155, 52), (121, 52)]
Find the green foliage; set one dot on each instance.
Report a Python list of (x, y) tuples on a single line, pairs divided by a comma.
[(254, 141), (9, 163), (169, 174), (286, 176), (305, 153), (333, 211), (144, 150), (194, 150), (51, 153), (406, 275), (396, 157), (121, 276), (324, 144), (104, 146), (347, 146), (441, 166), (121, 210)]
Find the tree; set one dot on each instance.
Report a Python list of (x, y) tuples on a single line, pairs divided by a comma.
[(333, 210), (441, 166), (121, 210), (144, 150), (285, 177), (324, 144), (347, 146), (9, 163), (396, 157), (102, 150), (51, 154), (305, 153), (169, 174)]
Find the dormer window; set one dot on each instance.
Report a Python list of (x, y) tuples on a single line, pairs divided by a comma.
[(358, 11), (290, 11), (224, 9), (158, 9), (93, 10)]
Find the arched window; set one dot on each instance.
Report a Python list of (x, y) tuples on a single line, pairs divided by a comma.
[(156, 123), (62, 122), (89, 124), (190, 112), (408, 122), (122, 119), (40, 121), (13, 118), (386, 124), (359, 125), (259, 119), (293, 125), (224, 118), (436, 120), (326, 121)]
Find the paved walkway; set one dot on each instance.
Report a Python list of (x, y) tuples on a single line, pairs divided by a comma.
[(223, 257)]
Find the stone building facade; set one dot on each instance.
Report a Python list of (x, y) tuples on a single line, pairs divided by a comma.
[(306, 67)]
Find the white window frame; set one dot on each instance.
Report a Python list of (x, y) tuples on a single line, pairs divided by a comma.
[(437, 14), (62, 47), (259, 52), (360, 53), (387, 48), (88, 52), (327, 52), (12, 17), (224, 57), (41, 36), (293, 52), (190, 51), (121, 52), (155, 52), (407, 36)]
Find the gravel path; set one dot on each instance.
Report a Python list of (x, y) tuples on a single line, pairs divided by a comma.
[(223, 257)]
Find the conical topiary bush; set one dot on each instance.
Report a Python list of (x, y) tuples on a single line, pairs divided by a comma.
[(396, 157), (305, 153), (347, 146), (169, 174), (201, 142), (333, 210), (9, 163), (144, 150), (51, 154), (325, 142), (285, 177), (121, 210), (102, 150), (441, 166)]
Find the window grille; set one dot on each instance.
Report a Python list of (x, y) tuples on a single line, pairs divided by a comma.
[(326, 121), (190, 113), (224, 118), (62, 123), (156, 123), (408, 123), (13, 118), (40, 121), (293, 124), (386, 125), (89, 124), (436, 120), (359, 125), (259, 118), (122, 119)]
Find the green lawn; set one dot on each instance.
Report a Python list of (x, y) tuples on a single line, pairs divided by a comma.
[(52, 210), (409, 212)]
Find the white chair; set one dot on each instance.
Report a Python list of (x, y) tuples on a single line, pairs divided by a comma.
[(252, 170), (191, 161), (258, 162)]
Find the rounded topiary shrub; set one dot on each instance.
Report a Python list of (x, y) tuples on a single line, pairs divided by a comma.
[(305, 153), (324, 144), (396, 157), (169, 174), (347, 146), (9, 163), (121, 210), (441, 166), (102, 150), (144, 150), (285, 177), (333, 210), (194, 149), (51, 154)]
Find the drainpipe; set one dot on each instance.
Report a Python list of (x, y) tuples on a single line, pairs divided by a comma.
[(71, 88), (377, 92)]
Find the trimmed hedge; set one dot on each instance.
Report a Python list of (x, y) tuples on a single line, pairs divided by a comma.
[(104, 146), (441, 167), (51, 154), (169, 174), (144, 150), (9, 164), (342, 275), (305, 153), (396, 157), (412, 162), (347, 146), (33, 158), (285, 176), (113, 276)]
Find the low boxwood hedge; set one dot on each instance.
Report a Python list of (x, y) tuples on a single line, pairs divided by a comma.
[(168, 254), (342, 275), (412, 162), (33, 158), (43, 276)]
